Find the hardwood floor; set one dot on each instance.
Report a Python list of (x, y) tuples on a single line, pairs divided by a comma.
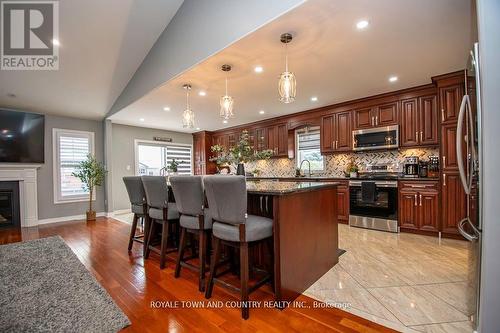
[(136, 285)]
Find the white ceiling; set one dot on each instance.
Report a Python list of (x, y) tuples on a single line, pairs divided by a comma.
[(330, 57), (102, 45)]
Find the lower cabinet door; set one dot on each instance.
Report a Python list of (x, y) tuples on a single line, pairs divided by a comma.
[(343, 204), (408, 205), (454, 204), (428, 213)]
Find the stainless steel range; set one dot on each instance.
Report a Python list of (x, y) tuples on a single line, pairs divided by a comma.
[(374, 198)]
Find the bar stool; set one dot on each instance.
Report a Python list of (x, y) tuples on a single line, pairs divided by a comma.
[(138, 205), (161, 211), (227, 199), (194, 219)]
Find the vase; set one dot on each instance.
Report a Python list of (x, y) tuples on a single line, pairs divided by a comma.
[(240, 170)]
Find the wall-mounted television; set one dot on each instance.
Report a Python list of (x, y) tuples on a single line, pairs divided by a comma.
[(21, 137)]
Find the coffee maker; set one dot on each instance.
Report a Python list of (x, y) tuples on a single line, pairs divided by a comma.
[(411, 167)]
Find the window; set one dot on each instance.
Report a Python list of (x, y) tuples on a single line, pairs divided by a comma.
[(151, 157), (308, 148), (69, 149)]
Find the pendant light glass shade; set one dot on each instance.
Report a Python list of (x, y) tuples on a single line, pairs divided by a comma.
[(226, 107), (226, 101), (287, 84), (188, 114), (287, 87)]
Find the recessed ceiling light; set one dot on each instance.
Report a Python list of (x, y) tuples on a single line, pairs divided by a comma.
[(197, 128), (202, 93), (56, 42), (262, 111), (224, 121), (393, 79), (5, 131), (166, 108), (141, 119), (362, 24), (11, 95), (314, 99), (258, 69)]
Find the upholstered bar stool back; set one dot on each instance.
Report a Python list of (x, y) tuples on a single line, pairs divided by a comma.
[(137, 198)]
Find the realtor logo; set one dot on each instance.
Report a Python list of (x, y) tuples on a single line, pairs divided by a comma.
[(29, 35)]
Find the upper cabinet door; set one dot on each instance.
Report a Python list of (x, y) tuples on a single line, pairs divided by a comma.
[(259, 139), (428, 120), (409, 126), (343, 131), (282, 140), (363, 118), (327, 137), (271, 139), (450, 98), (387, 114)]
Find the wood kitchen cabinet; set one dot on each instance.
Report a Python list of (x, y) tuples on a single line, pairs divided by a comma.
[(419, 205), (343, 202), (202, 141), (277, 139), (259, 139), (336, 132), (419, 121), (379, 115), (450, 97), (454, 203)]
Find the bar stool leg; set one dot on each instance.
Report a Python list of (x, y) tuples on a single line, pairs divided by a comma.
[(132, 232), (201, 255), (244, 275), (213, 265), (151, 231), (180, 256), (163, 246)]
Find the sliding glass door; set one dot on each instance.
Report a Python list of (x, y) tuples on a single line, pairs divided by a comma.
[(152, 158)]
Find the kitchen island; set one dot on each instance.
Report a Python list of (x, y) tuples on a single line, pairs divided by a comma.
[(305, 230)]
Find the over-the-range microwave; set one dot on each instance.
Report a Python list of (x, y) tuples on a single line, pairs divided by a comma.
[(386, 137)]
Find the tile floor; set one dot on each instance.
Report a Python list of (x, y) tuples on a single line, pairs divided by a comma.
[(408, 282)]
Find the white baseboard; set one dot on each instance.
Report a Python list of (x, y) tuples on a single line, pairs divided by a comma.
[(67, 218), (121, 211)]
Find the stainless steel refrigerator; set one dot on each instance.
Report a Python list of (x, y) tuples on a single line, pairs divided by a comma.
[(469, 155)]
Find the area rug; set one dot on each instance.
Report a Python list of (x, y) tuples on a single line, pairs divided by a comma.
[(45, 288)]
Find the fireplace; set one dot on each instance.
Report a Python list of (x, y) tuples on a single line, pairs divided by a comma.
[(9, 204)]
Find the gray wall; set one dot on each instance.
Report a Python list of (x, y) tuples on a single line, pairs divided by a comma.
[(46, 207), (198, 30), (123, 154), (489, 41)]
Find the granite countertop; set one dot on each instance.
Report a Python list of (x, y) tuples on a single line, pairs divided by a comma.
[(285, 187)]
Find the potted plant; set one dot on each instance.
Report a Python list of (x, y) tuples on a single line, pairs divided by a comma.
[(91, 173), (238, 155), (173, 166)]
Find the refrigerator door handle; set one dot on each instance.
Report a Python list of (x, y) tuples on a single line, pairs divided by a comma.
[(466, 179), (469, 237)]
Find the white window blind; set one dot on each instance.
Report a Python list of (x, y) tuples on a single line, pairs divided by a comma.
[(70, 148), (308, 148)]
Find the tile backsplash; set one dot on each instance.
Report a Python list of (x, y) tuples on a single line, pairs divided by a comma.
[(337, 163)]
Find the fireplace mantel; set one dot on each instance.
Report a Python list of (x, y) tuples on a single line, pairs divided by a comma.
[(26, 175)]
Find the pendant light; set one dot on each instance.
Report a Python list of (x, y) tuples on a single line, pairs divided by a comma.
[(188, 114), (226, 101), (287, 86)]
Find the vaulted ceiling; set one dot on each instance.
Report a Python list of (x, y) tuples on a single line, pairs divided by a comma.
[(332, 59)]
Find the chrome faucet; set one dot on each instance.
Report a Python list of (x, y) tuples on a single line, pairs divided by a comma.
[(308, 163)]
